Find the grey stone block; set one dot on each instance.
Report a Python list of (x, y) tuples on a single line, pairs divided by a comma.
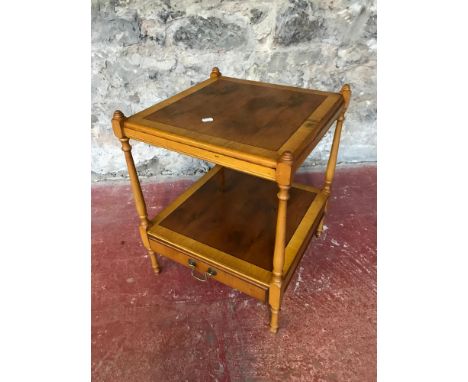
[(209, 33), (116, 30), (256, 15), (298, 23)]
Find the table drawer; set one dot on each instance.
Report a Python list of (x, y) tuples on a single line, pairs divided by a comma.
[(201, 269)]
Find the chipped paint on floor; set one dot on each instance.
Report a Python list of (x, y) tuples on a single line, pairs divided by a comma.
[(172, 328)]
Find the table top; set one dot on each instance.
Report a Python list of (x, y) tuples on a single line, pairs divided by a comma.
[(229, 221), (240, 119)]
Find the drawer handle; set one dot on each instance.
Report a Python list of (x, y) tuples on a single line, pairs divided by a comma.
[(210, 273)]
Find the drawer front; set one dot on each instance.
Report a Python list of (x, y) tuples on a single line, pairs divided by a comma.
[(203, 270)]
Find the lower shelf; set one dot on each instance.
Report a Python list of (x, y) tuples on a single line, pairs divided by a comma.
[(226, 221)]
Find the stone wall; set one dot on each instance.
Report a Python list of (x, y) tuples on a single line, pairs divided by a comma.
[(145, 51)]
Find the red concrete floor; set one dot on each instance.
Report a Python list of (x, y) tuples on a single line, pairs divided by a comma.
[(173, 328)]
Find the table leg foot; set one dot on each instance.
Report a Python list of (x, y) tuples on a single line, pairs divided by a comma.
[(154, 262), (319, 230), (274, 321)]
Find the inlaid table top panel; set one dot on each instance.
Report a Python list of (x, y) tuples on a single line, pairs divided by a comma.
[(221, 216), (246, 120), (254, 115)]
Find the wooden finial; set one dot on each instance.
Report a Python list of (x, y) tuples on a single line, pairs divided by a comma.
[(118, 115), (284, 169), (287, 157), (346, 93), (215, 73), (117, 124)]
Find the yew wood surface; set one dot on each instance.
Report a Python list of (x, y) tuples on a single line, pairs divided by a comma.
[(237, 216), (254, 123), (245, 113)]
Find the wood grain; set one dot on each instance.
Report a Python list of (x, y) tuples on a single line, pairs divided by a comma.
[(238, 219), (255, 122), (243, 284), (244, 113)]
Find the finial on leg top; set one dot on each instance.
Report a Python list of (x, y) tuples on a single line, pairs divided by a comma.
[(118, 115), (215, 72), (287, 157), (284, 169), (346, 93), (117, 124)]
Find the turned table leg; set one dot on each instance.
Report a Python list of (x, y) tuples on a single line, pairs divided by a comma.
[(154, 261), (276, 285), (332, 160), (278, 259), (117, 125), (319, 230)]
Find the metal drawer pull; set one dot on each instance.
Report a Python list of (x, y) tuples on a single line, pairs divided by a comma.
[(210, 273)]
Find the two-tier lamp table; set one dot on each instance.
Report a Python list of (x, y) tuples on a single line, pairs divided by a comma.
[(245, 223)]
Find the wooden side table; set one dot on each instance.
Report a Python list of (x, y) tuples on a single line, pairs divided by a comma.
[(235, 225)]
